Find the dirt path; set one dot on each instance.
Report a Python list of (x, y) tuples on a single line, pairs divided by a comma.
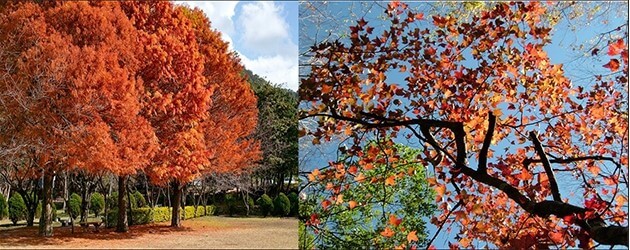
[(206, 232)]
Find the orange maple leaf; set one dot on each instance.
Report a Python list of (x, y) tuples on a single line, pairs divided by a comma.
[(390, 181), (352, 204), (394, 221), (411, 236), (387, 233)]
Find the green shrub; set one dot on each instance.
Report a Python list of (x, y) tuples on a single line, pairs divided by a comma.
[(210, 210), (17, 208), (4, 207), (266, 204), (139, 199), (97, 203), (190, 212), (293, 198), (161, 214), (201, 211), (74, 205), (282, 205), (112, 201), (231, 201)]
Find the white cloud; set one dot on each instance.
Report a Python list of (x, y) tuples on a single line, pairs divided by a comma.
[(264, 35), (263, 27), (276, 69)]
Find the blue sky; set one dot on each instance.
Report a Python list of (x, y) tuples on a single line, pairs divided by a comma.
[(264, 34)]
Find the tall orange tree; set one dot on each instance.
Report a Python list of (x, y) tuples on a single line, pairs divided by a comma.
[(233, 114), (70, 95), (193, 91), (498, 121)]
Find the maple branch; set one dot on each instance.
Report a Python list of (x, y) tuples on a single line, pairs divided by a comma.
[(545, 161), (483, 154)]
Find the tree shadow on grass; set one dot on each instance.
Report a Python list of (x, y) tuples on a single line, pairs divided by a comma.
[(28, 236)]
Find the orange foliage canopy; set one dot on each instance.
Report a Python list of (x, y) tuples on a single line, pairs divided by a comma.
[(233, 112), (69, 94), (462, 88), (195, 98)]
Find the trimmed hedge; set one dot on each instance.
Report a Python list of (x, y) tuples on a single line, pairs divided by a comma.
[(148, 215)]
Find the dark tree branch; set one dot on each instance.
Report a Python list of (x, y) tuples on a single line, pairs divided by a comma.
[(596, 227), (545, 161), (483, 154)]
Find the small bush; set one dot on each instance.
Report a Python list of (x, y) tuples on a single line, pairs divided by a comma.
[(112, 201), (201, 211), (266, 204), (97, 203), (4, 207), (282, 205), (190, 212), (294, 199), (139, 199), (210, 210), (161, 214), (231, 201), (74, 205), (17, 208)]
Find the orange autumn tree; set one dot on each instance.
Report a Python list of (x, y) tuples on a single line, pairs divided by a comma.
[(193, 89), (498, 122), (71, 96), (233, 113)]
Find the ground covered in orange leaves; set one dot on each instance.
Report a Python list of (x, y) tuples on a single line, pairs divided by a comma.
[(204, 232)]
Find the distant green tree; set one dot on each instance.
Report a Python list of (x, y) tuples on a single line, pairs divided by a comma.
[(97, 203), (17, 208), (276, 130), (74, 205), (400, 204)]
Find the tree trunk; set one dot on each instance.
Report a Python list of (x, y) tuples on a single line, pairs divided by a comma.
[(129, 213), (65, 190), (84, 203), (177, 197), (121, 225), (45, 222)]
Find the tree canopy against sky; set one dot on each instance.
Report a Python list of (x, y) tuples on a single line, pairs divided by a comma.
[(69, 92), (502, 126), (116, 86), (200, 106)]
